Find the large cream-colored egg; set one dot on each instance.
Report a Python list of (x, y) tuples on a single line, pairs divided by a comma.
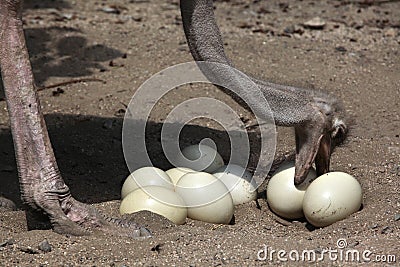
[(201, 158), (206, 197), (283, 197), (143, 177), (239, 183), (157, 199), (331, 197), (176, 173)]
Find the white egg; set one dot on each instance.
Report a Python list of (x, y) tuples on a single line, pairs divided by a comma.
[(283, 197), (201, 158), (157, 199), (176, 173), (331, 197), (239, 183), (143, 177), (206, 197)]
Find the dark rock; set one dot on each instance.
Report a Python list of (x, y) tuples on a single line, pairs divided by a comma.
[(341, 49), (45, 246)]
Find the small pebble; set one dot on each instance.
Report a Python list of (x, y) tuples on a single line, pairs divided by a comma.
[(316, 23), (374, 226), (354, 244), (294, 29), (8, 242), (341, 49), (391, 32), (29, 250), (110, 10), (386, 230), (68, 16), (318, 250), (58, 92), (45, 246)]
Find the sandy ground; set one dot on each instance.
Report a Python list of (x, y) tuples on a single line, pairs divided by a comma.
[(355, 57)]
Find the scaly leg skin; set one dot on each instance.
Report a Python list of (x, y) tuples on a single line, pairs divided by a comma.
[(42, 187), (318, 118)]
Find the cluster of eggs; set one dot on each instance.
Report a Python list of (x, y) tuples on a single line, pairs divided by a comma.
[(209, 195), (321, 200)]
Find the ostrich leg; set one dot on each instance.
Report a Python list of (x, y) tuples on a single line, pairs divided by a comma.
[(318, 118), (42, 187)]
